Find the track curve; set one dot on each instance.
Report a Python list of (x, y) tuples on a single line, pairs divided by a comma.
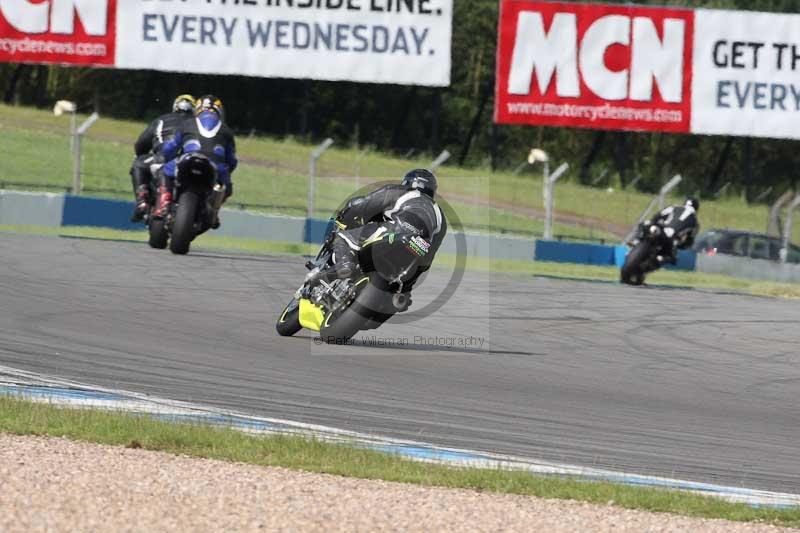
[(690, 384)]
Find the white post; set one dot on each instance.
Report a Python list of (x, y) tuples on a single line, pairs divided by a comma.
[(312, 173), (76, 163), (550, 182), (73, 126), (439, 161), (787, 229), (360, 156), (671, 184), (548, 202)]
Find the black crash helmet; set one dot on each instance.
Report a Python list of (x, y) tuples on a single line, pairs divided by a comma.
[(422, 180)]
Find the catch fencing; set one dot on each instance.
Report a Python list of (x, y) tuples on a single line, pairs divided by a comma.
[(273, 178)]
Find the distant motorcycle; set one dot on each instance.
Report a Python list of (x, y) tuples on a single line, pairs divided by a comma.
[(651, 241), (341, 308), (198, 198)]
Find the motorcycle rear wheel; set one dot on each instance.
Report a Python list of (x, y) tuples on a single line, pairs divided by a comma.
[(371, 301), (183, 226), (632, 272)]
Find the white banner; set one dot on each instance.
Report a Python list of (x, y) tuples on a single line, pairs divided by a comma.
[(746, 74), (374, 41)]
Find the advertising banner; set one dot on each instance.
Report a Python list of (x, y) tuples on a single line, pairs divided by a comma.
[(374, 41), (594, 66), (73, 32), (648, 69), (746, 74)]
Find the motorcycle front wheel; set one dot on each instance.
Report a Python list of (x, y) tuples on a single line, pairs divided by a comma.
[(289, 322), (632, 272)]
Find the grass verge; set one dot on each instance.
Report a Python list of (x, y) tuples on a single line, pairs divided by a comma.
[(20, 417), (665, 278)]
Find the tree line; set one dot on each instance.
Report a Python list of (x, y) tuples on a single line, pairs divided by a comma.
[(416, 119)]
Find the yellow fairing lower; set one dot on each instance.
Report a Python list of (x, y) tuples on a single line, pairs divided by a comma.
[(311, 316)]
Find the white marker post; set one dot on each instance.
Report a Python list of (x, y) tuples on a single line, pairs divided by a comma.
[(662, 194), (549, 181), (787, 229), (312, 174), (76, 163), (439, 161), (671, 184)]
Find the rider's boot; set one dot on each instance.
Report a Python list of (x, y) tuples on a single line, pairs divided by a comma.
[(164, 202), (217, 199), (142, 203), (345, 263)]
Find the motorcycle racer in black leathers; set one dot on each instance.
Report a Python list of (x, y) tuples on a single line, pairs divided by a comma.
[(680, 227), (406, 207), (148, 149)]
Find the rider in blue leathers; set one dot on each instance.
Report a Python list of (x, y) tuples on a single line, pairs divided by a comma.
[(205, 133)]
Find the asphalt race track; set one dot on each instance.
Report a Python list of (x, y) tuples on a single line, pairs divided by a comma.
[(689, 384)]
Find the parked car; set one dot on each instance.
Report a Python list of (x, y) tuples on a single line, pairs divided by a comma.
[(743, 244)]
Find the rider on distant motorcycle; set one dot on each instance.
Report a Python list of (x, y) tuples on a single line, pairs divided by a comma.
[(148, 148), (207, 134), (680, 227), (407, 207)]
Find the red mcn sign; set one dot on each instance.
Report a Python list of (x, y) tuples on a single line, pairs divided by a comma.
[(594, 66), (73, 32)]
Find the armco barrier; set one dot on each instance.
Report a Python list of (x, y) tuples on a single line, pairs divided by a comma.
[(597, 254), (35, 209), (687, 259), (265, 227), (568, 252), (85, 211), (55, 210), (745, 267), (68, 210), (316, 230)]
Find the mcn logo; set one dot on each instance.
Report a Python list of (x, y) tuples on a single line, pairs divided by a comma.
[(561, 53), (56, 16), (598, 66), (66, 32)]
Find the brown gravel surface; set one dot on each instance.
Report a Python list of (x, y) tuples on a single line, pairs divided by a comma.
[(49, 484)]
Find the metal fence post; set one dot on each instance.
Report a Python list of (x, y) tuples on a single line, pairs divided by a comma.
[(439, 161), (77, 141), (549, 185), (361, 155), (662, 194), (312, 174), (76, 164), (787, 229), (671, 184)]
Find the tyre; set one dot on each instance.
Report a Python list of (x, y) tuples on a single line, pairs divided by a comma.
[(158, 234), (289, 322), (338, 329), (632, 272), (183, 226)]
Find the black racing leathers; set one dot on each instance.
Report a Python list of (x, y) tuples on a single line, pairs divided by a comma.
[(410, 210), (680, 227), (160, 131), (148, 148)]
